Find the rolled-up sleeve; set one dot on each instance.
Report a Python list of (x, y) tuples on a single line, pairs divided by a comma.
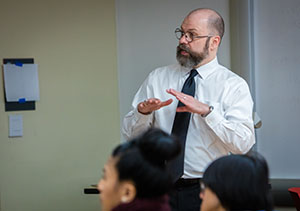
[(134, 122), (233, 123)]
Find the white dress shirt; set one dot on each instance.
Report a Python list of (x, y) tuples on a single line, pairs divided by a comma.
[(227, 129)]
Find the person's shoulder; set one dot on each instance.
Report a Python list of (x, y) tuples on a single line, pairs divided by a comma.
[(229, 76)]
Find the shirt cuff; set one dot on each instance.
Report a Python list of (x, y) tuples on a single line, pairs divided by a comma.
[(213, 118), (141, 118)]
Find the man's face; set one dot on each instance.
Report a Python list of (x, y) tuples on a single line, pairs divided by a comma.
[(192, 54), (189, 58)]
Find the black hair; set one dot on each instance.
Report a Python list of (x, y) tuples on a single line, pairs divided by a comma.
[(142, 160), (241, 182)]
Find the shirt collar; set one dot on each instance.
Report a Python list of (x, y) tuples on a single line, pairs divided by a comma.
[(204, 70)]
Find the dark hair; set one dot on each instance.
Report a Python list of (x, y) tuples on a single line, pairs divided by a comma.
[(143, 161), (240, 182)]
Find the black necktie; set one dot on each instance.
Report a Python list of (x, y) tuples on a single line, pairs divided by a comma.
[(180, 127)]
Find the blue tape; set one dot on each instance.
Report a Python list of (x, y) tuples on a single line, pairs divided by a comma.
[(22, 100), (17, 63)]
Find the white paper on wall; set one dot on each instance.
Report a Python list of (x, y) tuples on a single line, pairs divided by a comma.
[(15, 125), (21, 82)]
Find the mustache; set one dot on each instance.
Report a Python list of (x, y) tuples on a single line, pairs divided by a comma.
[(182, 47)]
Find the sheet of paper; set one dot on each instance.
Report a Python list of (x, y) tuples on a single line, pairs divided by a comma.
[(15, 125), (21, 82)]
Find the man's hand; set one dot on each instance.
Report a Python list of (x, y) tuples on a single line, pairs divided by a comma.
[(191, 104), (152, 104)]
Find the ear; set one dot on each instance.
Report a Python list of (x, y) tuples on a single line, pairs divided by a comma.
[(128, 192), (215, 42)]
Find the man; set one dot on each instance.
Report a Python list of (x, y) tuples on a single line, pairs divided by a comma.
[(219, 105)]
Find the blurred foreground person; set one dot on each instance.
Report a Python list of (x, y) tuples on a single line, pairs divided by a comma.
[(236, 182), (135, 177)]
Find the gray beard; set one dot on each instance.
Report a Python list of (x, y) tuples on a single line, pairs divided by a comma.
[(188, 61), (193, 59)]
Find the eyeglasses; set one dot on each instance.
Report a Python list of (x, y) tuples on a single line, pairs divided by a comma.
[(189, 36)]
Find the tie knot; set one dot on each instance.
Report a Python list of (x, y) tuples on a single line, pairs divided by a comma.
[(193, 73)]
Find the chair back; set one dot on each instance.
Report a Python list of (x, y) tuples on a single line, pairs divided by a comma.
[(295, 193)]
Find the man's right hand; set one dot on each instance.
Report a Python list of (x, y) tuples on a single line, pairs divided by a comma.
[(152, 104)]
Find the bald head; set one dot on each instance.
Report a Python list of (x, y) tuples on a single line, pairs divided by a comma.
[(213, 20)]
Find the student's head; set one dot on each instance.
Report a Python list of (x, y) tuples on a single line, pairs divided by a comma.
[(236, 182), (199, 37), (136, 169)]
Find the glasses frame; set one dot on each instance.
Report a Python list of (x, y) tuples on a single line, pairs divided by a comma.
[(192, 37), (202, 187)]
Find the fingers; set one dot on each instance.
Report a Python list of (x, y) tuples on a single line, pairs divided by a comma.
[(147, 103), (152, 104), (141, 105), (157, 102), (190, 103), (167, 102), (184, 98), (146, 106), (179, 95), (151, 101), (172, 92), (182, 109)]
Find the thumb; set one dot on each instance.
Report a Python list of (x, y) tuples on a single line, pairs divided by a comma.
[(182, 109), (167, 102)]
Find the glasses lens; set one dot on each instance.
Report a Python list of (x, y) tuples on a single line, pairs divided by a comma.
[(187, 35), (178, 33)]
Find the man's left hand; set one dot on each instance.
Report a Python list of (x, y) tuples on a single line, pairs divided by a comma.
[(191, 104)]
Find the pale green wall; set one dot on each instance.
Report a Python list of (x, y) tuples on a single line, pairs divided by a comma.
[(69, 136)]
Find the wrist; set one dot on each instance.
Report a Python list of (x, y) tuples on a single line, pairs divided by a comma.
[(144, 113), (210, 109)]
